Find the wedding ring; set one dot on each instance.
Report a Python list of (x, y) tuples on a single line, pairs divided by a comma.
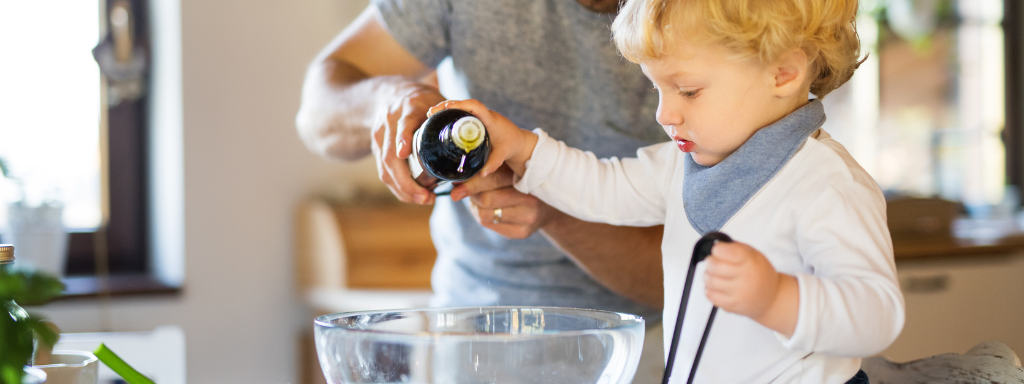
[(497, 216)]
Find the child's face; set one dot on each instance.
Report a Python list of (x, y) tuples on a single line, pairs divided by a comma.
[(711, 102)]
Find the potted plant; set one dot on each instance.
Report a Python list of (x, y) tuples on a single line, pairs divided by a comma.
[(35, 225), (19, 329)]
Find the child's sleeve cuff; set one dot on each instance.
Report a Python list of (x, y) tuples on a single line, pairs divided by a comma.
[(540, 165), (803, 334)]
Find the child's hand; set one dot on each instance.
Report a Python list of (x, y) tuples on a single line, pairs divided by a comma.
[(739, 279), (508, 142)]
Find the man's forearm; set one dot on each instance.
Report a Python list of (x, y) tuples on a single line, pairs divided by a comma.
[(626, 260), (339, 107)]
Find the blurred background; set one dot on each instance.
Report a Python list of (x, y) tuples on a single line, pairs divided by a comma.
[(151, 160), (208, 154)]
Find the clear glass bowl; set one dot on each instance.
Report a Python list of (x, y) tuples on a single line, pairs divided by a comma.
[(480, 345)]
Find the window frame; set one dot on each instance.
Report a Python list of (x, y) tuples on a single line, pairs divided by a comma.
[(124, 142), (1013, 132)]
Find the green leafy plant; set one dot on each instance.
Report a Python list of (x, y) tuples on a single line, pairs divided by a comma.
[(19, 328), (23, 195), (5, 173), (3, 168)]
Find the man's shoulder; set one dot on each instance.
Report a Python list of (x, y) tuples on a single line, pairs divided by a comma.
[(506, 11)]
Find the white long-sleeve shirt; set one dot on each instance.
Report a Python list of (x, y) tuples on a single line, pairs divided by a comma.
[(820, 219)]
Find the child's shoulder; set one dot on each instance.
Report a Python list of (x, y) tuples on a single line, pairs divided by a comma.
[(823, 161)]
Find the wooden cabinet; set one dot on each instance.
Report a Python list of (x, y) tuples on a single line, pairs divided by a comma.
[(954, 303), (387, 246), (363, 246)]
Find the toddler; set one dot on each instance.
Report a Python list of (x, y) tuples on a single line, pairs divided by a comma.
[(809, 286)]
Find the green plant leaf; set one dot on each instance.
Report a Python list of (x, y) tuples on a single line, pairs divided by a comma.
[(29, 287), (43, 332), (3, 168), (11, 374), (16, 339), (18, 327), (120, 367)]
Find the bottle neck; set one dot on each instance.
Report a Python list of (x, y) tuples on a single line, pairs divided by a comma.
[(6, 254)]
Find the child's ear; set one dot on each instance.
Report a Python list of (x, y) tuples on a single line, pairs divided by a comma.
[(791, 71)]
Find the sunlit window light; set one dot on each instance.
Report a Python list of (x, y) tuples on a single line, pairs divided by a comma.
[(50, 106), (924, 113)]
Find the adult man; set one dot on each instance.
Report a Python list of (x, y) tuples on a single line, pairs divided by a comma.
[(543, 63)]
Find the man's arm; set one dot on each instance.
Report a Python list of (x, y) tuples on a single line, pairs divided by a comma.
[(361, 96), (626, 260)]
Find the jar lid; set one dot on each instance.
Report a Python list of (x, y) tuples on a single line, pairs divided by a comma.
[(6, 253)]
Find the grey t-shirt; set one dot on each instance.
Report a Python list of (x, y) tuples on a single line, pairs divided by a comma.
[(541, 63)]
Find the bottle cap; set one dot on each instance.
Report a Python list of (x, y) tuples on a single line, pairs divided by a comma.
[(6, 253), (468, 133)]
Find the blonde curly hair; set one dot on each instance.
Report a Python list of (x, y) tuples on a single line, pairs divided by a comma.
[(825, 29)]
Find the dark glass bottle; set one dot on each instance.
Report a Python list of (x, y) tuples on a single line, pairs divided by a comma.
[(452, 145), (9, 307)]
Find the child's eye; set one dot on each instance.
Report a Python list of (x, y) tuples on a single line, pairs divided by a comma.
[(690, 94)]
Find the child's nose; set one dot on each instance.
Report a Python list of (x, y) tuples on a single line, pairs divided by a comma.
[(668, 116)]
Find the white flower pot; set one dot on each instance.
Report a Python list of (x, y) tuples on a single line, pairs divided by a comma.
[(39, 238), (71, 367)]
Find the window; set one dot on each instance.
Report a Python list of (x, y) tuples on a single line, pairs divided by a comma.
[(1014, 134), (66, 131), (925, 114), (49, 106)]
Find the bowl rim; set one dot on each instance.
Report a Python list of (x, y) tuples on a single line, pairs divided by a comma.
[(629, 320)]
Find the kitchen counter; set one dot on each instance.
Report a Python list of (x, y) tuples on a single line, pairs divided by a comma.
[(915, 248)]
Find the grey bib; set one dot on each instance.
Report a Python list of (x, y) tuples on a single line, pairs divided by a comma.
[(712, 195)]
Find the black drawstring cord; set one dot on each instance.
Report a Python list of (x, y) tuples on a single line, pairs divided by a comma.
[(700, 252)]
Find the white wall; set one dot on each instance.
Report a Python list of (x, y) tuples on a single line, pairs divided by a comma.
[(243, 171)]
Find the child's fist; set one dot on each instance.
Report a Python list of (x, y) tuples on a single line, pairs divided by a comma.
[(739, 279), (508, 141)]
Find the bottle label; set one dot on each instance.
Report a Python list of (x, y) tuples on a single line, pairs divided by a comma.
[(423, 178)]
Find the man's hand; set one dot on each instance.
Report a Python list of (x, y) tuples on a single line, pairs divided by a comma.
[(741, 280), (364, 94), (521, 214), (392, 140)]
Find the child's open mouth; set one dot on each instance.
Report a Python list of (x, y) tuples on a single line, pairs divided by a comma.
[(684, 145)]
